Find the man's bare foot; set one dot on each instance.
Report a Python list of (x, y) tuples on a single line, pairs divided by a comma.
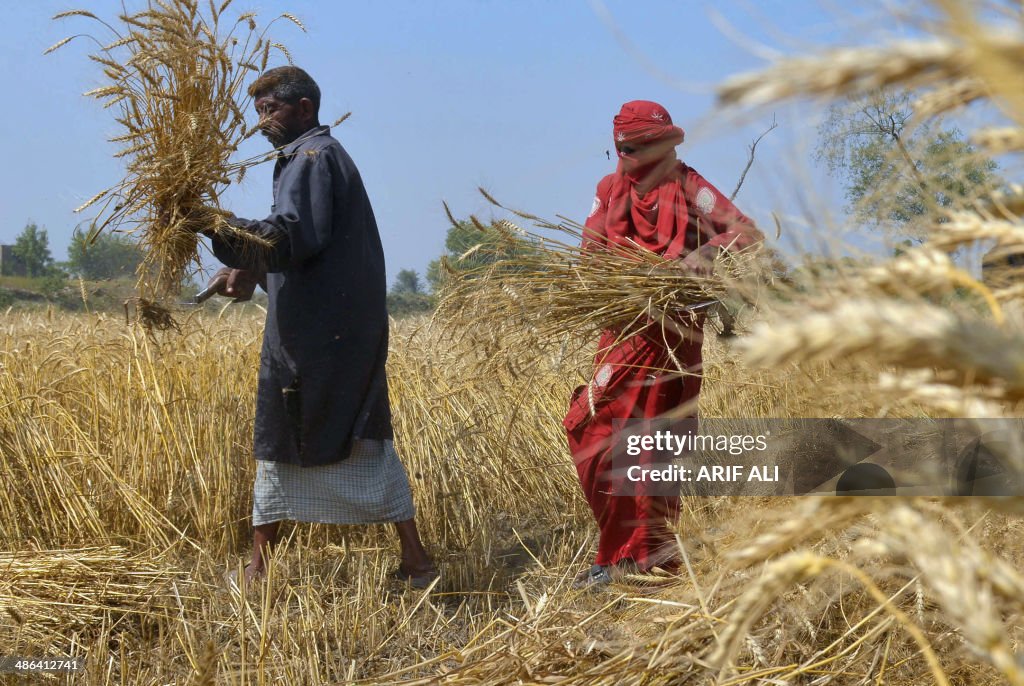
[(424, 566), (417, 576)]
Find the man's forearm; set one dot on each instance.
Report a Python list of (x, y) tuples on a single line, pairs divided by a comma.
[(256, 246)]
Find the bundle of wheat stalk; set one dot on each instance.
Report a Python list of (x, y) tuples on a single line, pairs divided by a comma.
[(175, 79), (71, 590), (542, 288)]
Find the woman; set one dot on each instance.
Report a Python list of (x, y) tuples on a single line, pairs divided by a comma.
[(654, 201)]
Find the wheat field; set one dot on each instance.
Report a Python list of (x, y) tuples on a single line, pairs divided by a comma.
[(128, 472)]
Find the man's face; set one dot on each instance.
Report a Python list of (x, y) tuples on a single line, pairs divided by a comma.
[(280, 122)]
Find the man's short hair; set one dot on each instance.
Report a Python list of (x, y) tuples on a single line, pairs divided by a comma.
[(288, 84)]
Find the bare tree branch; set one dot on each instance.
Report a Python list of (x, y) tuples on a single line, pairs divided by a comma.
[(750, 160)]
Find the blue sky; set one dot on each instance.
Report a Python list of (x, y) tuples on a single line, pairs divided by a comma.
[(515, 96)]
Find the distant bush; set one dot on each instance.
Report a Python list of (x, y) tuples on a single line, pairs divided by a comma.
[(107, 256), (406, 304)]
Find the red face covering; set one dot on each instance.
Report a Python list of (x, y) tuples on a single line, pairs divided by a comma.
[(647, 205)]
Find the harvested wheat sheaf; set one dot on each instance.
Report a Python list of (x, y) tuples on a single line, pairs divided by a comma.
[(539, 291), (176, 74)]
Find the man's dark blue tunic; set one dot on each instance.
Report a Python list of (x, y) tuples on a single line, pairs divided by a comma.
[(322, 382)]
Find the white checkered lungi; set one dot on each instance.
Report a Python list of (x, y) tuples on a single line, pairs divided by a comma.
[(368, 487)]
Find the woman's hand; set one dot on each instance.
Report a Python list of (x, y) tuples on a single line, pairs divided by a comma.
[(701, 262)]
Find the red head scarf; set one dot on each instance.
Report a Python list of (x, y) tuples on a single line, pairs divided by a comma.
[(646, 203), (642, 122)]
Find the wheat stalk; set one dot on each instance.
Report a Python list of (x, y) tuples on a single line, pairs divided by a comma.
[(851, 71)]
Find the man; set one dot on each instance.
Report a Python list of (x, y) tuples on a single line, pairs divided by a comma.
[(323, 435), (656, 202)]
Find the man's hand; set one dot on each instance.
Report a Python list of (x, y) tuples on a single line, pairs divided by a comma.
[(235, 283), (701, 262), (215, 218)]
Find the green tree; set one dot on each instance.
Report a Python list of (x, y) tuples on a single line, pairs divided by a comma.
[(467, 247), (407, 281), (897, 172), (32, 248), (107, 256)]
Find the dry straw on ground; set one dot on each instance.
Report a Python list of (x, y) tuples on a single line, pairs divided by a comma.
[(134, 470), (67, 591)]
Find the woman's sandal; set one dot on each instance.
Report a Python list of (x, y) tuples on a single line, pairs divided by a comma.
[(596, 576)]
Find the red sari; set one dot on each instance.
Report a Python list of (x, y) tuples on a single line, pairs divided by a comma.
[(658, 203)]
